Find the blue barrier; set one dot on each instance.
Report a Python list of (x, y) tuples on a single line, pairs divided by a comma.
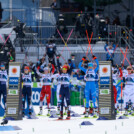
[(35, 100)]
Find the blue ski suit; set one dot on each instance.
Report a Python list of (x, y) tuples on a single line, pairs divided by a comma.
[(90, 89)]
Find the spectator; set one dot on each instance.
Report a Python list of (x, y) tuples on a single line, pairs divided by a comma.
[(128, 21), (1, 10), (81, 25), (110, 52), (51, 51), (61, 26), (54, 4), (71, 66), (33, 70), (116, 21), (89, 23), (11, 55), (103, 27), (41, 64)]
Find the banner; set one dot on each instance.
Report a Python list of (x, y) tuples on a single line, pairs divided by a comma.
[(14, 92), (106, 97), (14, 71), (104, 70)]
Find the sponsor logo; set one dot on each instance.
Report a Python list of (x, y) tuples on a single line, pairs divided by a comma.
[(104, 80), (12, 92), (13, 81), (104, 110), (104, 86), (104, 91), (12, 110), (104, 71), (14, 70), (35, 97)]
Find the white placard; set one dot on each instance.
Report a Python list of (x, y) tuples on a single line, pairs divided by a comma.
[(12, 92), (11, 110), (104, 110), (104, 91), (104, 70), (14, 71)]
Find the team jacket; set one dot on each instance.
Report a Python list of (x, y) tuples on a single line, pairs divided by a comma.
[(3, 76), (57, 79), (129, 79), (65, 79), (90, 74), (46, 79), (27, 79)]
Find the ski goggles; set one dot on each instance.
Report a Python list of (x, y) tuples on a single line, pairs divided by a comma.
[(64, 69)]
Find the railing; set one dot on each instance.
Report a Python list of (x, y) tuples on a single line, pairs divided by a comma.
[(32, 17)]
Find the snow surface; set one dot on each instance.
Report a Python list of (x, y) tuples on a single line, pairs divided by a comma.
[(45, 125)]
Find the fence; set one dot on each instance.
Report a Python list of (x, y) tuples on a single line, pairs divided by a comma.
[(32, 17), (34, 53)]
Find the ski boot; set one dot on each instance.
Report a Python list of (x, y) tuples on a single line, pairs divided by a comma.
[(61, 115), (41, 112), (48, 114), (118, 110), (84, 112), (58, 110), (129, 106), (90, 110), (65, 113), (23, 113), (4, 114), (30, 112), (95, 113), (126, 112), (87, 113), (68, 115)]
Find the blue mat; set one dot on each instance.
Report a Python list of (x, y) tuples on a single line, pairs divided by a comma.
[(9, 128)]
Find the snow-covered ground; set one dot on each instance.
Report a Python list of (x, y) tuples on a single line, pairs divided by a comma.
[(45, 125)]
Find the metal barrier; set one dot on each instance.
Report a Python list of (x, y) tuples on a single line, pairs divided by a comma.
[(35, 53), (14, 15), (32, 17)]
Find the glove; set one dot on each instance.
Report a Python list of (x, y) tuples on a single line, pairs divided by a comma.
[(94, 57)]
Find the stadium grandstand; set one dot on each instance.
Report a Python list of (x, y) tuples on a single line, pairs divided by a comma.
[(31, 24)]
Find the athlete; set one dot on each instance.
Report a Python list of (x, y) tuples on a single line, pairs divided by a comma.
[(90, 89), (64, 91), (46, 79), (58, 86), (3, 80), (129, 91), (27, 90)]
